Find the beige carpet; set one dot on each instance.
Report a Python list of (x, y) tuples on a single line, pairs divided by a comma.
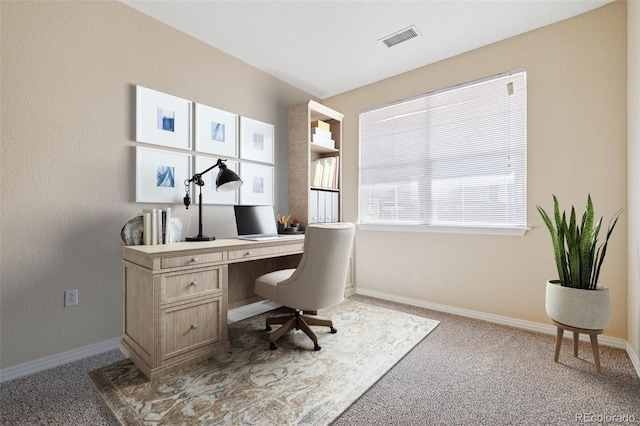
[(253, 385)]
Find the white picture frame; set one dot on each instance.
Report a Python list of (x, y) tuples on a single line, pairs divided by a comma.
[(216, 131), (160, 175), (209, 193), (257, 188), (162, 119), (256, 140)]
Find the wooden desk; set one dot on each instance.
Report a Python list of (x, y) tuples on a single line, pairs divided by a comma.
[(176, 296)]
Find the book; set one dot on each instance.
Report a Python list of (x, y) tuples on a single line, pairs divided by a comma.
[(146, 228), (317, 176), (154, 227), (159, 233), (165, 225), (326, 173)]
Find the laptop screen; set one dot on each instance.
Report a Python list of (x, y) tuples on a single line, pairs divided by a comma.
[(252, 220)]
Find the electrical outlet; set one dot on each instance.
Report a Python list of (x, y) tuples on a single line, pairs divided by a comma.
[(70, 298)]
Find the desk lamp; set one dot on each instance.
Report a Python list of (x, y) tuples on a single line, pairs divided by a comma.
[(226, 181)]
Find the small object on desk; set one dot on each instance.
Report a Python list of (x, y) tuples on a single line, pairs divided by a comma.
[(282, 223), (293, 230), (295, 225), (174, 230), (131, 233)]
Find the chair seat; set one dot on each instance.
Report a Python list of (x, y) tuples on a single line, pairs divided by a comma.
[(267, 284)]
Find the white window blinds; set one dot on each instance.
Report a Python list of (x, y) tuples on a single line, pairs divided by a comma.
[(452, 158)]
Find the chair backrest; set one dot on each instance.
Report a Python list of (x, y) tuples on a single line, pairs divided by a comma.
[(319, 280)]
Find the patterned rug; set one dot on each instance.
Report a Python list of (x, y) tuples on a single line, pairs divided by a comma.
[(253, 385)]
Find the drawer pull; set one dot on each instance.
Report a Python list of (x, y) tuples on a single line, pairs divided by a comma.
[(194, 283), (249, 253), (194, 326), (194, 259)]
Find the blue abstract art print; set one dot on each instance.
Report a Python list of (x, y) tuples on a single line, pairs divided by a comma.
[(258, 141), (165, 177), (217, 132), (258, 185), (166, 120)]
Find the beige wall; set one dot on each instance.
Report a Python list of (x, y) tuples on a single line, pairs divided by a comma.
[(633, 114), (69, 71), (577, 135)]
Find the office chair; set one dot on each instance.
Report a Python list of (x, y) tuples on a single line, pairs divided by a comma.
[(318, 281)]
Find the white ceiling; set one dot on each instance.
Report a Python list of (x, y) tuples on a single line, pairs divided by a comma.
[(330, 47)]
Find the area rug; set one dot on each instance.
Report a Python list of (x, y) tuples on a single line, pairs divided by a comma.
[(252, 385)]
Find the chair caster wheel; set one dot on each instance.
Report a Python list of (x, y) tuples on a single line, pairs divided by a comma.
[(333, 330), (316, 347), (268, 328), (272, 346)]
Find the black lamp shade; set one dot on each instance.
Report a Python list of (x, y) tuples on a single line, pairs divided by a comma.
[(227, 180)]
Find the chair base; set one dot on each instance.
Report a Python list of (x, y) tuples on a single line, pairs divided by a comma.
[(299, 321)]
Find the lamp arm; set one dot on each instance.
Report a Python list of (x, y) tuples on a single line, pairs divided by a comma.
[(197, 178)]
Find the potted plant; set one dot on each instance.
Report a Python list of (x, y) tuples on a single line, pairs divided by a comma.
[(576, 299)]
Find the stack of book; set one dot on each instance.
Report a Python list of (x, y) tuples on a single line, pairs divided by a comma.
[(326, 172), (321, 134), (154, 226)]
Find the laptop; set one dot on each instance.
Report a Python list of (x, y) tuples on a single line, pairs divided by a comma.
[(257, 223)]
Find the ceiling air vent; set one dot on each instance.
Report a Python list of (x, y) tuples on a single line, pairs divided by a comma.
[(400, 36)]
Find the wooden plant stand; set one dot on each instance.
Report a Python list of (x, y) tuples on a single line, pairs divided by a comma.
[(593, 334)]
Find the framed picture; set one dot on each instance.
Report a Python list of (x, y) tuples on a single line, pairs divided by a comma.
[(216, 131), (257, 188), (209, 193), (162, 119), (256, 140), (160, 175)]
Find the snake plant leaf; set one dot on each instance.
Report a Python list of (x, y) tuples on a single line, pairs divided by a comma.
[(612, 224), (555, 239), (587, 245)]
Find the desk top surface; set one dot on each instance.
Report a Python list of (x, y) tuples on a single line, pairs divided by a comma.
[(218, 244)]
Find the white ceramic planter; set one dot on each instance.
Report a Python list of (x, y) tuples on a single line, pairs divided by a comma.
[(588, 309)]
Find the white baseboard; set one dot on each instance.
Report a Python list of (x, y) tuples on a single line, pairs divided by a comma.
[(635, 359), (498, 319), (45, 363), (58, 359)]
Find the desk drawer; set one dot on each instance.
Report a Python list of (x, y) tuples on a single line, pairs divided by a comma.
[(259, 252), (191, 260), (186, 284), (187, 328)]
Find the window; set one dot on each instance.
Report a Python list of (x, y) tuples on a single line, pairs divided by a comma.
[(455, 158)]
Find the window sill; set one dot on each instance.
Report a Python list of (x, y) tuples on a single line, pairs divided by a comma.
[(445, 229)]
